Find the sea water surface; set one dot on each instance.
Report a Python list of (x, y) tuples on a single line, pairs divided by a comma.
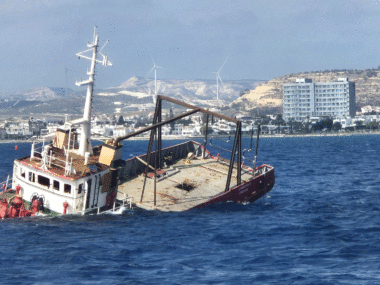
[(319, 225)]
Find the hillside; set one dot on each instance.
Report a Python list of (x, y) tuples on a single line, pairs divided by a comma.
[(40, 94), (189, 89), (268, 96), (133, 92)]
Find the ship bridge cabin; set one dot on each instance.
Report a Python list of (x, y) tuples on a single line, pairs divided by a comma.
[(56, 174)]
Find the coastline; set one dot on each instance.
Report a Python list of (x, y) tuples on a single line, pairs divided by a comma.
[(143, 138)]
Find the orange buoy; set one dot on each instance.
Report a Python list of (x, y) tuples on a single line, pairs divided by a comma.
[(16, 147)]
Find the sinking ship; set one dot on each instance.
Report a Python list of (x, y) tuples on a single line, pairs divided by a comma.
[(71, 176)]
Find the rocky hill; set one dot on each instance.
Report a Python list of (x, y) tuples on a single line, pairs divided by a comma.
[(134, 91), (235, 95), (189, 89), (40, 94), (268, 96)]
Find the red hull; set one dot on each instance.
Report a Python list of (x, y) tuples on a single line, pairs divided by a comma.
[(16, 207), (247, 192)]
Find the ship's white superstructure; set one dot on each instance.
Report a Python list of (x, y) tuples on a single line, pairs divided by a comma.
[(81, 194), (68, 175)]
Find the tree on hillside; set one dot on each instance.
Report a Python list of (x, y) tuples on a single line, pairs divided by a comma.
[(297, 127), (279, 121), (373, 125), (337, 126), (359, 125), (140, 124), (120, 121), (306, 127), (326, 123), (185, 121)]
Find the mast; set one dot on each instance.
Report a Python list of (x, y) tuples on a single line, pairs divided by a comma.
[(85, 141)]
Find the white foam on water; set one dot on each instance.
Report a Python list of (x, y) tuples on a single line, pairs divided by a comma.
[(119, 211)]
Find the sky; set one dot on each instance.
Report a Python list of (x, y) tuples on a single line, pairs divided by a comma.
[(188, 39)]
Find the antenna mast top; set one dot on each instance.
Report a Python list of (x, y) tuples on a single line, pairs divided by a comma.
[(85, 142)]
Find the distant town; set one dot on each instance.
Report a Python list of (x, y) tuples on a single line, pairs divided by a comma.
[(308, 108), (105, 126)]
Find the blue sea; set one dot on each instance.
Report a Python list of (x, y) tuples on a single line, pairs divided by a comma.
[(319, 225)]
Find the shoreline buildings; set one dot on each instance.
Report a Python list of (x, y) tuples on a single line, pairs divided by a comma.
[(305, 99)]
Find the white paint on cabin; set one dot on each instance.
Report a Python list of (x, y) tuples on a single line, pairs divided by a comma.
[(56, 190)]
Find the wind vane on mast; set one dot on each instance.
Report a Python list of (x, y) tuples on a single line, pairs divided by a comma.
[(85, 143)]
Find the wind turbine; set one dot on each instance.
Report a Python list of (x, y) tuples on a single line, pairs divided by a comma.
[(66, 69), (217, 79), (155, 78)]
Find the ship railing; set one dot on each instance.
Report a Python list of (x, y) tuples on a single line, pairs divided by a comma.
[(118, 203), (51, 160), (88, 210), (123, 202), (126, 201), (262, 170), (6, 184)]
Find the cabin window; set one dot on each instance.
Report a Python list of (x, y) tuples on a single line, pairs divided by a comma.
[(56, 185), (67, 189), (44, 181), (22, 170), (32, 177), (80, 188)]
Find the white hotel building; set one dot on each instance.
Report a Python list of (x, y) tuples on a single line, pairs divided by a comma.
[(304, 99)]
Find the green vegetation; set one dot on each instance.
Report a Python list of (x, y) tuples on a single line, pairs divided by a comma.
[(323, 125), (185, 122)]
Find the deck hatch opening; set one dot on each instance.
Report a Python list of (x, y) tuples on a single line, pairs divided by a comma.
[(186, 185)]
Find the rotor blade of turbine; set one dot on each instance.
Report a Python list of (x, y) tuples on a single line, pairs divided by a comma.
[(220, 79), (223, 65), (154, 64), (150, 70)]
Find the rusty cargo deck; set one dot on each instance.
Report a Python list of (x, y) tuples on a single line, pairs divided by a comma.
[(204, 180), (183, 186)]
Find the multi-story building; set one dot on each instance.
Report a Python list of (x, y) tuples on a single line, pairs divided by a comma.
[(305, 99), (21, 129)]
